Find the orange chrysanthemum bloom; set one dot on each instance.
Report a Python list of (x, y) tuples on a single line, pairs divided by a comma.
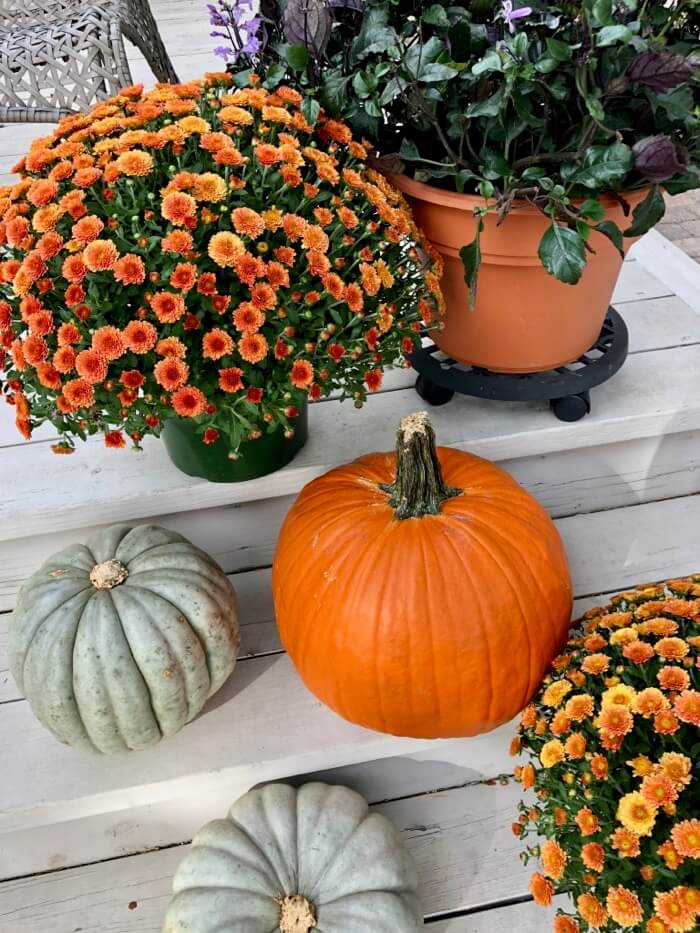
[(593, 856), (108, 341), (658, 791), (591, 910), (553, 859), (100, 255), (263, 296), (636, 814), (248, 318), (595, 664), (49, 245), (184, 276), (216, 343), (686, 838), (214, 142), (130, 270), (587, 821), (666, 723), (302, 374), (638, 652), (235, 115), (564, 924), (687, 707), (615, 720), (575, 746), (171, 373), (139, 336), (193, 124), (210, 187), (68, 334), (188, 402), (87, 229), (48, 376), (137, 162), (178, 207), (177, 241), (267, 154), (64, 359), (132, 379), (167, 306), (650, 702), (316, 238), (248, 222), (42, 191), (673, 649), (624, 907), (670, 907), (354, 297), (41, 323), (673, 678), (579, 707), (527, 776), (542, 890), (34, 349), (253, 347), (668, 853), (656, 925), (85, 177), (225, 248), (114, 439), (626, 842), (677, 767), (92, 366), (78, 393), (74, 269), (599, 767), (348, 218), (230, 380), (561, 722)]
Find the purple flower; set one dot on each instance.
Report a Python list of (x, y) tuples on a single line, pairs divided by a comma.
[(241, 23), (510, 15), (223, 51)]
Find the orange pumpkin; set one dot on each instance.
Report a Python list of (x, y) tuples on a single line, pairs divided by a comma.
[(422, 594)]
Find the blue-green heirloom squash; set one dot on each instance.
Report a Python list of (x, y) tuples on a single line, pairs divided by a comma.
[(308, 860), (119, 642)]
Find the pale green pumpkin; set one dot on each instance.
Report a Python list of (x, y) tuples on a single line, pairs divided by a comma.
[(307, 860), (119, 642)]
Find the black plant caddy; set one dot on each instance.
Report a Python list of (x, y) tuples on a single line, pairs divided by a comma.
[(567, 388)]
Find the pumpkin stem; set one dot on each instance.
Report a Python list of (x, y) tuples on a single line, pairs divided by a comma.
[(108, 574), (419, 488), (297, 914)]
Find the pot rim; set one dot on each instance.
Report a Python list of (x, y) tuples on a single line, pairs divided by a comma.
[(466, 202)]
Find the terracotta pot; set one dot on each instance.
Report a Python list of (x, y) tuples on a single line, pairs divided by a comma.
[(525, 320), (256, 458)]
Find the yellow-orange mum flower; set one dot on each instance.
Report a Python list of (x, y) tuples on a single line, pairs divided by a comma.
[(624, 907), (670, 907), (555, 693), (626, 842), (615, 720), (673, 678), (677, 767), (171, 373), (593, 856), (248, 222), (129, 270), (650, 702), (587, 821), (542, 890), (591, 910), (672, 648), (178, 207), (235, 115), (575, 745), (552, 753), (225, 248), (253, 347), (658, 791), (216, 343), (553, 859), (579, 707), (100, 255), (619, 695), (137, 162), (210, 187), (636, 814), (595, 664), (687, 707), (686, 838)]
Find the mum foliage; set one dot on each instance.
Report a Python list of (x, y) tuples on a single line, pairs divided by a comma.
[(203, 252), (614, 743)]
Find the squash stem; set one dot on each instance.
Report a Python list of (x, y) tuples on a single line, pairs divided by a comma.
[(419, 488)]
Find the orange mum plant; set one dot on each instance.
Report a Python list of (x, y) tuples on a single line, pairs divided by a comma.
[(614, 742), (202, 251)]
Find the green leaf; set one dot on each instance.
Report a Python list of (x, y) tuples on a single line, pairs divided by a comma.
[(609, 35), (605, 166), (360, 86), (559, 50), (647, 214), (490, 62), (409, 151), (471, 260), (613, 233), (678, 104), (333, 91), (375, 36), (297, 56), (275, 74), (562, 253), (392, 89), (311, 108), (602, 12), (436, 16), (681, 183), (491, 107), (592, 209), (435, 72), (595, 108), (546, 65), (460, 36)]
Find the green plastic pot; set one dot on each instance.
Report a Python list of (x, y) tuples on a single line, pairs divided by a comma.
[(257, 458)]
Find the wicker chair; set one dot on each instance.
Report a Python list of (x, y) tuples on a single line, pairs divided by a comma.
[(61, 56)]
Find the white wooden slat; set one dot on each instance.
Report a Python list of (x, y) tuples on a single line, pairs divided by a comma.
[(653, 394), (461, 840), (637, 282), (293, 733), (524, 917), (656, 323), (243, 535)]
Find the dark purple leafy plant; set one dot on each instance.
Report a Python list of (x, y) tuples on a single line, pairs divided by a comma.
[(658, 158)]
